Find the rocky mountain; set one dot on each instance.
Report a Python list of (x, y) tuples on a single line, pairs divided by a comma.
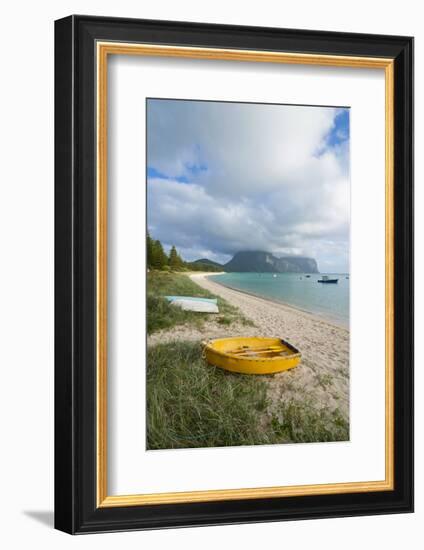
[(264, 262)]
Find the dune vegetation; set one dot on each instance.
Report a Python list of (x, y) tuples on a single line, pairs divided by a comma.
[(193, 404), (161, 315)]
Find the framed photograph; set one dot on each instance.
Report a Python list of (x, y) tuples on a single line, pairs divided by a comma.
[(234, 274)]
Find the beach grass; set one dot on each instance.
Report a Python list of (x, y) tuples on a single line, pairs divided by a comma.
[(299, 421), (161, 315), (193, 404)]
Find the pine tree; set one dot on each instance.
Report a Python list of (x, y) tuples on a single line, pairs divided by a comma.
[(174, 260), (149, 250), (180, 261), (159, 258)]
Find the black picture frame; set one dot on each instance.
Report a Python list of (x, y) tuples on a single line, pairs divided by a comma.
[(76, 510)]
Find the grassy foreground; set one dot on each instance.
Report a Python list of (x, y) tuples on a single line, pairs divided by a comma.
[(162, 315), (192, 404)]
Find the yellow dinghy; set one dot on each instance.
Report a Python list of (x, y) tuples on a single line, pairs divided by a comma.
[(251, 355)]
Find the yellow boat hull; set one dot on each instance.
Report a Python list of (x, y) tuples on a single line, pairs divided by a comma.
[(253, 355)]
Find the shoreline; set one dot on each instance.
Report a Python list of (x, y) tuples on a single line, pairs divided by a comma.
[(314, 395), (195, 276), (322, 378)]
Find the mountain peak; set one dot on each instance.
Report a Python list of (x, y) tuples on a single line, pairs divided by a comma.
[(260, 261)]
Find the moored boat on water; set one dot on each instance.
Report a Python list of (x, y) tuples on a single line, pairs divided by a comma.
[(326, 279)]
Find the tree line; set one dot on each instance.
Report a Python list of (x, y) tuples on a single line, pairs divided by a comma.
[(158, 259)]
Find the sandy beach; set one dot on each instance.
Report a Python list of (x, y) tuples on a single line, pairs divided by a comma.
[(323, 375)]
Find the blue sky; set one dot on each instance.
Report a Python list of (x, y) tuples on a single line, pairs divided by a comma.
[(224, 177), (340, 132)]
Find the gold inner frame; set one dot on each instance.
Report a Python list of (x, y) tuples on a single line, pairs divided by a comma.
[(104, 49)]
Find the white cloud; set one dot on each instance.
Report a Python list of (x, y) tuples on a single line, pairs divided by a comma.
[(261, 177)]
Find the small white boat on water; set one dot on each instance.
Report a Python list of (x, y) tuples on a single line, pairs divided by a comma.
[(326, 279)]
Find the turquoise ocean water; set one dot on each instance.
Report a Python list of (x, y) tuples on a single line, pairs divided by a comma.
[(330, 301)]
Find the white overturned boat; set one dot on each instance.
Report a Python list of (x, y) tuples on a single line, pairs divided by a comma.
[(193, 303)]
